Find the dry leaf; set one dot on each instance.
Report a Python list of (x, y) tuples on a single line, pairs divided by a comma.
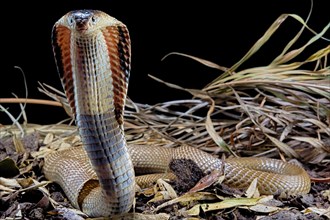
[(227, 203), (319, 211), (164, 186), (12, 183), (252, 191), (261, 208), (207, 181), (188, 197), (48, 139), (8, 168)]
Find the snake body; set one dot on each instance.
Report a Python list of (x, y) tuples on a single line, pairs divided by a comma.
[(92, 52)]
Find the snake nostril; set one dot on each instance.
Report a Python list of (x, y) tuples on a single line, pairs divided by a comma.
[(81, 24)]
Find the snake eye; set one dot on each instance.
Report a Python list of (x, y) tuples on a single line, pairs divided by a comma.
[(93, 19), (70, 20)]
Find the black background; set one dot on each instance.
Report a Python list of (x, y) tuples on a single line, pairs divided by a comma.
[(219, 31)]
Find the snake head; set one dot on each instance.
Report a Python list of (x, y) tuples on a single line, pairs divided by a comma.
[(86, 21), (82, 20)]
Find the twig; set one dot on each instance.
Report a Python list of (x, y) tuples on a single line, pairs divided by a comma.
[(30, 101)]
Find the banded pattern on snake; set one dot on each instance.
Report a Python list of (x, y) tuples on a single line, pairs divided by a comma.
[(93, 52)]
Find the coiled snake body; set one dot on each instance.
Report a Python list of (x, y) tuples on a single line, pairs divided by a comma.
[(92, 51)]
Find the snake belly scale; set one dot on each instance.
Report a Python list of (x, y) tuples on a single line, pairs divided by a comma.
[(93, 54)]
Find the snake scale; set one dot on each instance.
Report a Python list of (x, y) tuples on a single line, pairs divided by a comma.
[(93, 54)]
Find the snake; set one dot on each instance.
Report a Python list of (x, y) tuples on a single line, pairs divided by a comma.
[(92, 53)]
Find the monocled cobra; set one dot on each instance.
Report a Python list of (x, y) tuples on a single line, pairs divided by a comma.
[(92, 52)]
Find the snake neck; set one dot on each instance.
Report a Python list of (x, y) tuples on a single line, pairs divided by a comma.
[(92, 75), (102, 136)]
